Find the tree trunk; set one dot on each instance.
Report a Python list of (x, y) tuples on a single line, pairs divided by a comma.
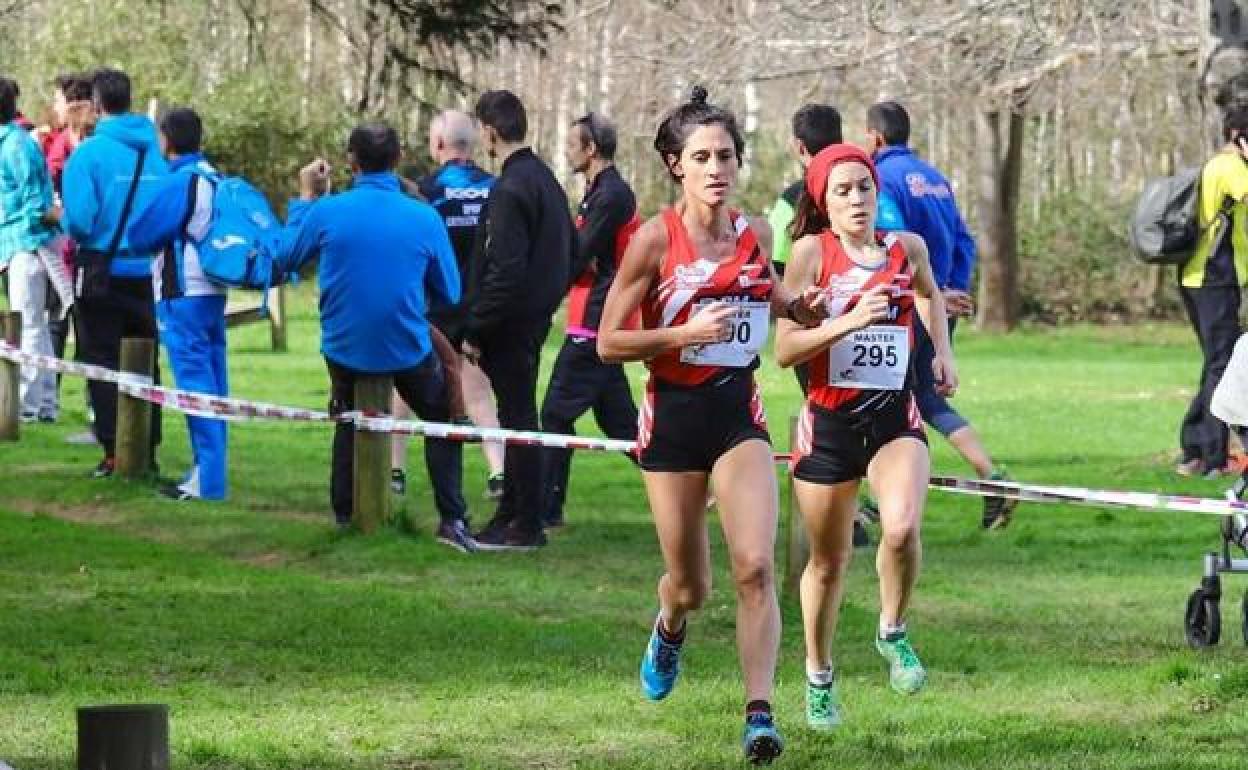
[(1223, 56), (1000, 156)]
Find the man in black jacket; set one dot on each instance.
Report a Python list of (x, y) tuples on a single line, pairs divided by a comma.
[(518, 282), (605, 221)]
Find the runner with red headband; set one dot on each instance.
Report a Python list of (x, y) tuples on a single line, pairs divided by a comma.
[(702, 275), (860, 418)]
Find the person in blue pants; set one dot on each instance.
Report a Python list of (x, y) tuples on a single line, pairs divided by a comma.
[(190, 308)]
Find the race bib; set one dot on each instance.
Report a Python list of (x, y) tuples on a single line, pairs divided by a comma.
[(874, 358), (750, 324)]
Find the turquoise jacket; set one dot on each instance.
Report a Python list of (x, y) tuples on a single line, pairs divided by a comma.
[(25, 193)]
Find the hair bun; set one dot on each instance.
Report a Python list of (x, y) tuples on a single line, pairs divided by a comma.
[(698, 96)]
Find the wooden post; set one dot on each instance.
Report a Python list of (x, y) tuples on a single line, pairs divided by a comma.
[(11, 381), (371, 490), (277, 318), (797, 549), (134, 416), (130, 737)]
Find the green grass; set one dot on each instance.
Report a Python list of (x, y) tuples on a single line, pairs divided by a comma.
[(1057, 643)]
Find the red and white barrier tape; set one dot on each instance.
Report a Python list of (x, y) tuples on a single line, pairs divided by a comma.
[(216, 407), (201, 405)]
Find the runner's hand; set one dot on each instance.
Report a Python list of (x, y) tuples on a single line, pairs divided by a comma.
[(872, 308), (709, 325), (958, 304), (946, 375), (811, 306), (471, 352)]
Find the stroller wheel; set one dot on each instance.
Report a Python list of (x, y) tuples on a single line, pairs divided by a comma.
[(1203, 621)]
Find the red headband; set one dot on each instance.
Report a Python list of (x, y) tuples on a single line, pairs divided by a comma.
[(821, 167)]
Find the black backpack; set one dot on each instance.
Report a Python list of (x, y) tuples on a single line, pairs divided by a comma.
[(1164, 226)]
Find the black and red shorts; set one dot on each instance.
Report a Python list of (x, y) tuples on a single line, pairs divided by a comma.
[(837, 446), (689, 427)]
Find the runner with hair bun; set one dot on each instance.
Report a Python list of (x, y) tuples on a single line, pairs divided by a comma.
[(700, 272), (860, 418)]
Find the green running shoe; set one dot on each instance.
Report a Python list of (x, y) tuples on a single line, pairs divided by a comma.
[(905, 673), (823, 705)]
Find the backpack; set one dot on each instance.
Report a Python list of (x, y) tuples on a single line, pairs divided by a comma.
[(1164, 227), (243, 243)]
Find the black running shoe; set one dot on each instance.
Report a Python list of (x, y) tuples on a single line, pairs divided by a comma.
[(455, 534), (105, 469), (398, 481), (494, 487), (997, 510), (511, 538), (175, 492), (861, 538)]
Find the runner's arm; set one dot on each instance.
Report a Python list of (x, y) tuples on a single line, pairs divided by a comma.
[(786, 303), (637, 273)]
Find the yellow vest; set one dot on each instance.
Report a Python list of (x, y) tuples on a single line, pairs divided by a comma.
[(1224, 176)]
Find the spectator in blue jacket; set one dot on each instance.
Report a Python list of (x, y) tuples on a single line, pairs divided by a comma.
[(190, 308), (27, 227), (914, 196), (111, 175), (381, 254)]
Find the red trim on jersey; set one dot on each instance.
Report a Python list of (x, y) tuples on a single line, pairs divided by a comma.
[(583, 287), (684, 279), (848, 281), (645, 419)]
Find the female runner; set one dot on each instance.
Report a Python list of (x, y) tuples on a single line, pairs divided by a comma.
[(860, 417), (701, 274)]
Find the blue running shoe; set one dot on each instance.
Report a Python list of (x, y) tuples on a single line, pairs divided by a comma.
[(659, 666), (761, 741)]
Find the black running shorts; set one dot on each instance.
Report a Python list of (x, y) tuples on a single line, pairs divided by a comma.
[(835, 446), (689, 427)]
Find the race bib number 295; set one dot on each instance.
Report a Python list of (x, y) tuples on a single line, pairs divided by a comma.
[(874, 358)]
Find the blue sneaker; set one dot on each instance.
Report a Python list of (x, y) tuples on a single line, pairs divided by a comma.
[(659, 666), (762, 742)]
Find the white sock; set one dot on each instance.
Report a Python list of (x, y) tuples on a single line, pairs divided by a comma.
[(820, 678), (885, 630)]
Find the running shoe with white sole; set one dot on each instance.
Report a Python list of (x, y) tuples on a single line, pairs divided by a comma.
[(455, 535), (906, 674)]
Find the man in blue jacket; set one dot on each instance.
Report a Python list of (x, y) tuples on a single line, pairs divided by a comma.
[(109, 176), (190, 308), (381, 253), (914, 196)]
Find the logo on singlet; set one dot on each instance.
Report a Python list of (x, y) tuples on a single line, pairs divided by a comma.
[(691, 277)]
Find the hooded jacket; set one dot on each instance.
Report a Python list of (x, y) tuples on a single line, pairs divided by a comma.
[(95, 183)]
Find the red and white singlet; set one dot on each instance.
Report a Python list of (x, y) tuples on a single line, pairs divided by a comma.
[(866, 365), (687, 282)]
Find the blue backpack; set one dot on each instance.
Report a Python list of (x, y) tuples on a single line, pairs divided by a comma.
[(243, 244)]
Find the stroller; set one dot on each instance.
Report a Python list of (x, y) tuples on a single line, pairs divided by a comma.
[(1203, 620)]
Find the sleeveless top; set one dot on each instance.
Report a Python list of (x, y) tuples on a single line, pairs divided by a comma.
[(686, 281), (878, 355)]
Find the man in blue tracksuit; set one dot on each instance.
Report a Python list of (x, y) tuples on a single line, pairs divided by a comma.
[(190, 308), (916, 197), (381, 253), (110, 175)]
